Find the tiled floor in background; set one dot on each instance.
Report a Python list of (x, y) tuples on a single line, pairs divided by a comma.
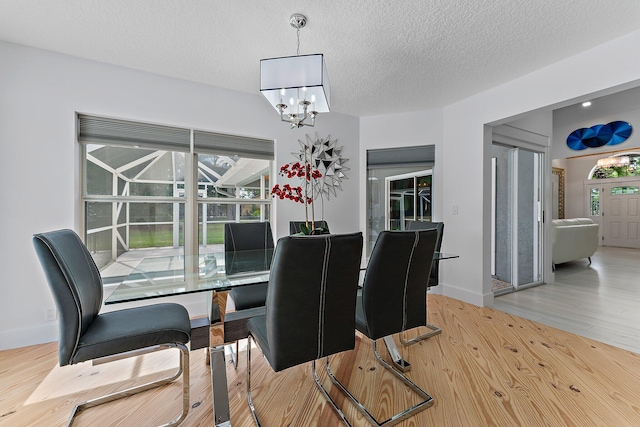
[(497, 285)]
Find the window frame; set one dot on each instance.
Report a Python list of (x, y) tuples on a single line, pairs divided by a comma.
[(188, 196)]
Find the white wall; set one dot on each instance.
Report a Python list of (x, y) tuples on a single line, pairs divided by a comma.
[(463, 154), (42, 91), (560, 133), (400, 130), (578, 164), (467, 154)]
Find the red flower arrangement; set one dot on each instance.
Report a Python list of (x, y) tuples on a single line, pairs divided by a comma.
[(302, 193)]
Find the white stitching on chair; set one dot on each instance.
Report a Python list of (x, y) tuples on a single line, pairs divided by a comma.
[(406, 279), (323, 289)]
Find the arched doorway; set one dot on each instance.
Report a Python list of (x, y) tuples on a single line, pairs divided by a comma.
[(612, 197)]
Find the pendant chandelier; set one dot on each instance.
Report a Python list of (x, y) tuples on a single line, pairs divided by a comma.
[(296, 86), (613, 161)]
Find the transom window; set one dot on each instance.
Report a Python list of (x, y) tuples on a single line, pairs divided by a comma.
[(624, 190)]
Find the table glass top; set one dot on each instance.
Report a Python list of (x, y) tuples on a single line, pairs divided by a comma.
[(156, 277), (165, 276)]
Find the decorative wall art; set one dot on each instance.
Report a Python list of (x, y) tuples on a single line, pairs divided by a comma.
[(325, 155), (320, 168), (599, 135)]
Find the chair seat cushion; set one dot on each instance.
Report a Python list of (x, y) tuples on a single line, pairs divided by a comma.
[(257, 327), (249, 296), (132, 329)]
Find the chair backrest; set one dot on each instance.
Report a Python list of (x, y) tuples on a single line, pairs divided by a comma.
[(294, 226), (75, 283), (311, 298), (394, 292), (244, 236), (425, 225)]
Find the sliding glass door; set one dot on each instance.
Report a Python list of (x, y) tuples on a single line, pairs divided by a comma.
[(408, 199), (399, 188), (517, 224)]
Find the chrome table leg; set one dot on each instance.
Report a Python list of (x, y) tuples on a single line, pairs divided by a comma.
[(221, 415), (220, 391), (398, 362)]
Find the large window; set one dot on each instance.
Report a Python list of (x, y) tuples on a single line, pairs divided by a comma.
[(152, 190)]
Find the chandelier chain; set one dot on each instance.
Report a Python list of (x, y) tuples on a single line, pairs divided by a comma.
[(298, 51)]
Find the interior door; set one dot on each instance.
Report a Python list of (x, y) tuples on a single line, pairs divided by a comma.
[(621, 215)]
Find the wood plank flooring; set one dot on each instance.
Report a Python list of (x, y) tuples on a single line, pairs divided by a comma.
[(487, 368), (599, 301)]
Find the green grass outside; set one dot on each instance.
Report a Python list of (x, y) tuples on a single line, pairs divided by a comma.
[(161, 236)]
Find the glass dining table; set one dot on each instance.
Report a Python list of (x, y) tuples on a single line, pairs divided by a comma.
[(215, 273)]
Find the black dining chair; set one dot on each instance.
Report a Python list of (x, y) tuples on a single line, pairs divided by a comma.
[(434, 277), (295, 227), (86, 334), (310, 311), (392, 300), (246, 236)]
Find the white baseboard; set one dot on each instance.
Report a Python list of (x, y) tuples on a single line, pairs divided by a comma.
[(481, 300), (40, 334), (196, 304)]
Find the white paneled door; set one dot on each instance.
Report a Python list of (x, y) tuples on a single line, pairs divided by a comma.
[(621, 215)]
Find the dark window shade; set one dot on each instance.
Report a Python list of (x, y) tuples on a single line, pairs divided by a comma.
[(230, 145), (99, 130), (423, 155)]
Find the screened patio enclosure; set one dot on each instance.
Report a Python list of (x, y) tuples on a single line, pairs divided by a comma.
[(137, 200)]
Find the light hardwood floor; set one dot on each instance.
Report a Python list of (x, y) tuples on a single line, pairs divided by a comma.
[(599, 301), (487, 368)]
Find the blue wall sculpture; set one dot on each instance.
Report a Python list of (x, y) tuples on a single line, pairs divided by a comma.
[(598, 135)]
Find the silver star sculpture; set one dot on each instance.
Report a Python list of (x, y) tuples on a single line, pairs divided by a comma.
[(324, 154)]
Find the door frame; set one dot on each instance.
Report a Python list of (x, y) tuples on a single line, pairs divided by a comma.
[(602, 185), (510, 136)]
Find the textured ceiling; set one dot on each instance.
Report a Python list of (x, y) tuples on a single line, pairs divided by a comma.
[(382, 56)]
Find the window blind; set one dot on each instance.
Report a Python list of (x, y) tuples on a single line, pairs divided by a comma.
[(423, 155), (100, 130), (230, 145)]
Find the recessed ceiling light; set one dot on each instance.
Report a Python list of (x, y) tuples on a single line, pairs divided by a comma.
[(586, 104)]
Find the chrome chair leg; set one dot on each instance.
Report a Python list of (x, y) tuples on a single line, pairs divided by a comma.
[(434, 331), (427, 402), (316, 379), (326, 394), (183, 370), (249, 399)]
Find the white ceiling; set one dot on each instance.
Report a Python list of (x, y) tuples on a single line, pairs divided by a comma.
[(382, 56)]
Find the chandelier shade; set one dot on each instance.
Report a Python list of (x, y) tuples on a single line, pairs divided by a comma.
[(292, 79)]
